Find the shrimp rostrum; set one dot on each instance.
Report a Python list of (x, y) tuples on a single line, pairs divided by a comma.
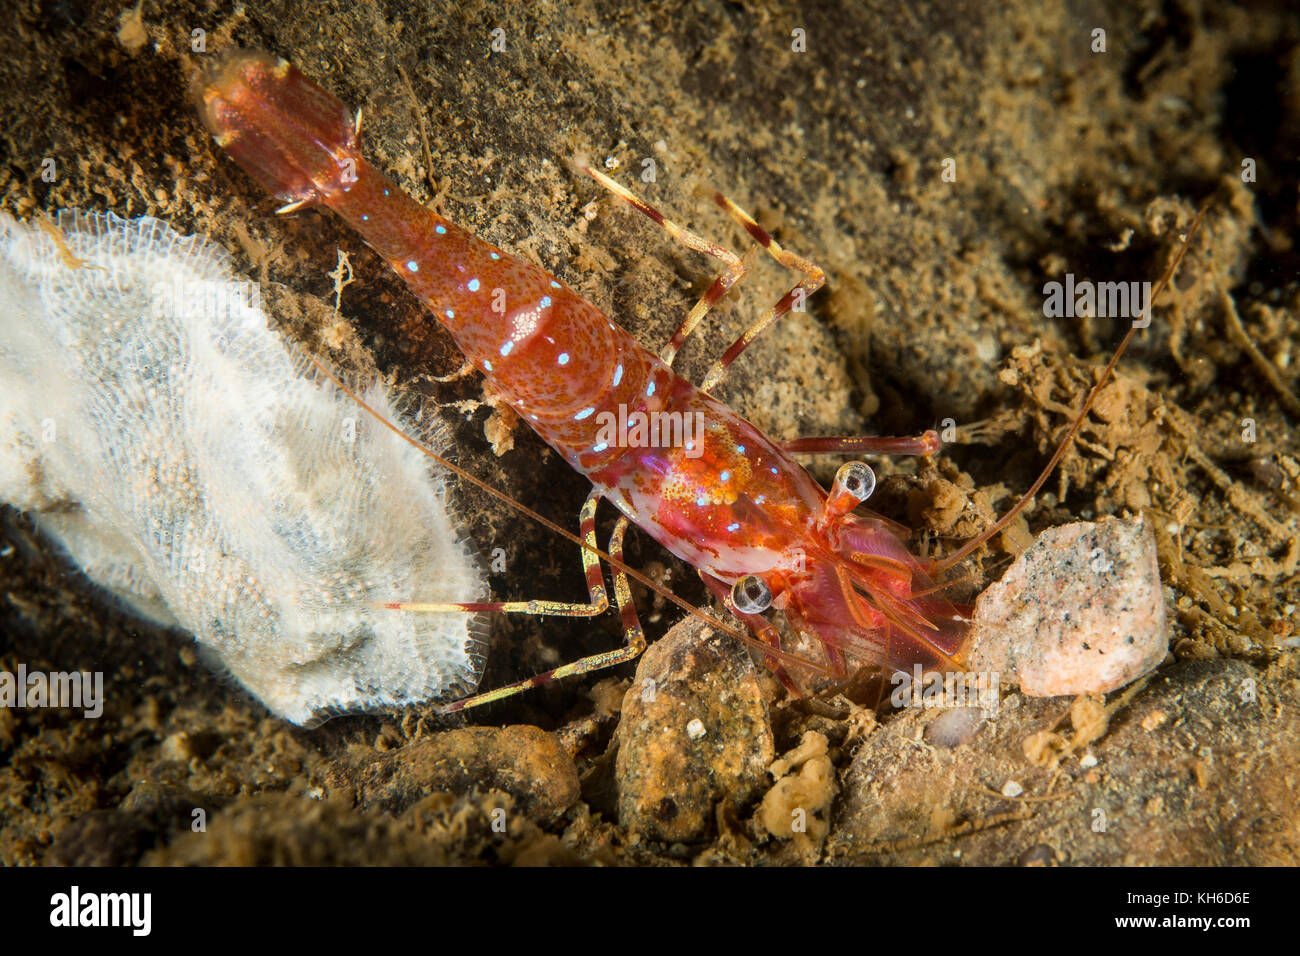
[(725, 498)]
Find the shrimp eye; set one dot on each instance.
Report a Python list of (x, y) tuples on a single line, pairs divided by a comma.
[(857, 479), (751, 595)]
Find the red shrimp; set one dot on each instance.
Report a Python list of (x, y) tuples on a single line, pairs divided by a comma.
[(731, 502)]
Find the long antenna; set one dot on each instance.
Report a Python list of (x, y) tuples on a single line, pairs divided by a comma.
[(1066, 442)]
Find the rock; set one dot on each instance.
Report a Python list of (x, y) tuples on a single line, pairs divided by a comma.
[(283, 830), (100, 838), (1217, 768), (524, 761), (670, 775), (1080, 611), (164, 807)]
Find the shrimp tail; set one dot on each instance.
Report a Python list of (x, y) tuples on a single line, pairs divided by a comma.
[(293, 137)]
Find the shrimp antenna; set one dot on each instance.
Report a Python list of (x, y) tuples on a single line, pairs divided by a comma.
[(1068, 440)]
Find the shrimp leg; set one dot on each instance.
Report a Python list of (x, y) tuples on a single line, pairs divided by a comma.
[(633, 639), (926, 443), (734, 271), (598, 604), (814, 277)]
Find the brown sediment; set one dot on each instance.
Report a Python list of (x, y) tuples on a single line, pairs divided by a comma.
[(1066, 161)]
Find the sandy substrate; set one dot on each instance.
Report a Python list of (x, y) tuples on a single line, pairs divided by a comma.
[(1065, 160)]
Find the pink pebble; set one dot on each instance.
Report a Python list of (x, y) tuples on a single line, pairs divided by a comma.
[(1080, 611)]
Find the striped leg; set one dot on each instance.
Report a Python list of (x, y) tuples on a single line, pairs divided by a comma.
[(926, 443), (633, 644), (813, 280), (732, 274), (598, 604)]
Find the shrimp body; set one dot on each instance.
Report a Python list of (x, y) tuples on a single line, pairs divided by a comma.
[(729, 501)]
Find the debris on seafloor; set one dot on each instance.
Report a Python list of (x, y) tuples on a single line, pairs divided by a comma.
[(175, 448), (796, 806), (523, 761), (1080, 611), (670, 776)]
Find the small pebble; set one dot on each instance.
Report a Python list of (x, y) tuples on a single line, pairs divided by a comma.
[(1012, 789), (1088, 761), (1153, 720), (671, 770), (1080, 611)]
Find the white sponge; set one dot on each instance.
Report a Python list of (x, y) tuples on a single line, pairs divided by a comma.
[(174, 447)]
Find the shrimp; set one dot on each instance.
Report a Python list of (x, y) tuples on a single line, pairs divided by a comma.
[(725, 498)]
